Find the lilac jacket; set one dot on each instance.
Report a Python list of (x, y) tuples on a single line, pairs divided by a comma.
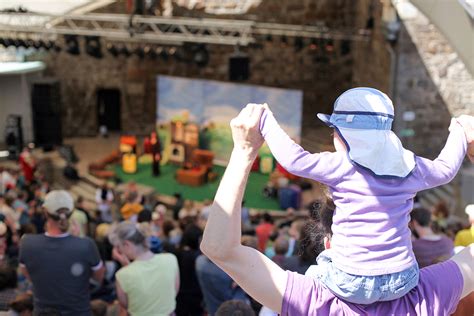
[(370, 223)]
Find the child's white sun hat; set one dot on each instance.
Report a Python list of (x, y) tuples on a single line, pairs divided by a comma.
[(363, 119)]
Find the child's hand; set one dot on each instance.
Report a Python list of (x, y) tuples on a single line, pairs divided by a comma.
[(467, 122), (245, 130)]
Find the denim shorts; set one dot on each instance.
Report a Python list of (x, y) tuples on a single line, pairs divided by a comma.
[(364, 289)]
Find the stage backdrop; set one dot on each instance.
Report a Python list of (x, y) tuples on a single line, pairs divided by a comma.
[(213, 104)]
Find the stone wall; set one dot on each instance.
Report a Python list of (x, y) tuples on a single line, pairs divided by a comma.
[(431, 81), (321, 74)]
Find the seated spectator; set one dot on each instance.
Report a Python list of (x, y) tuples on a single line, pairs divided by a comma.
[(22, 305), (158, 218), (295, 235), (104, 198), (147, 284), (235, 308), (281, 248), (216, 285), (188, 210), (131, 193), (8, 284), (99, 308), (82, 216), (131, 208), (102, 242), (189, 299), (429, 248), (440, 217), (264, 230), (178, 205), (466, 237), (303, 256)]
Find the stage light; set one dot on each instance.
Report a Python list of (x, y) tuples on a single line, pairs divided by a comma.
[(345, 47), (139, 52), (49, 45), (150, 52), (30, 43), (201, 56), (124, 51), (329, 46), (299, 44), (162, 53), (7, 42), (72, 44), (93, 47), (19, 43), (171, 51), (112, 49), (314, 44), (37, 44), (283, 41)]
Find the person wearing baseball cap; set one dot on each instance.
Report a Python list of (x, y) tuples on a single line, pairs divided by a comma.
[(59, 265), (373, 180), (465, 237)]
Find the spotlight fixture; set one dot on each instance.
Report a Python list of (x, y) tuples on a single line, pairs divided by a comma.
[(112, 49), (72, 44), (201, 55), (345, 47), (50, 45), (7, 42), (37, 44), (329, 46), (299, 44), (283, 41), (93, 47), (171, 51), (19, 43), (30, 43), (139, 52), (314, 44), (56, 48), (124, 51), (150, 52)]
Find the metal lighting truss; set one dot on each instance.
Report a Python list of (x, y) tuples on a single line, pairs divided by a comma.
[(162, 30)]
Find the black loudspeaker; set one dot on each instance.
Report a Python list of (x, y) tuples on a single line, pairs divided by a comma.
[(14, 135), (46, 108), (239, 68)]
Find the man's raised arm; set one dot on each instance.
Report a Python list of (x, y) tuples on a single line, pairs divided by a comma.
[(256, 274)]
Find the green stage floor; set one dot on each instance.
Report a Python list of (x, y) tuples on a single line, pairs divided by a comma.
[(166, 184)]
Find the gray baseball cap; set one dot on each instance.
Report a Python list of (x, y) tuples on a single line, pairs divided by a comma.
[(56, 200)]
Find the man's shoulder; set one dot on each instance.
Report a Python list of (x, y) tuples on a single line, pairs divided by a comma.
[(28, 239)]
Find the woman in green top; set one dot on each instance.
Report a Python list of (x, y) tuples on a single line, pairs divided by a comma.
[(147, 284)]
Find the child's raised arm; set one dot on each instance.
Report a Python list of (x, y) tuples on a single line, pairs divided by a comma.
[(444, 168), (323, 167)]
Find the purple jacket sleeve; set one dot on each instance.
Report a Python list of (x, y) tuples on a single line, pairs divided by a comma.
[(444, 168), (323, 167)]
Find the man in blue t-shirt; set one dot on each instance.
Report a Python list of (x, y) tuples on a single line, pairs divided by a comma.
[(59, 265)]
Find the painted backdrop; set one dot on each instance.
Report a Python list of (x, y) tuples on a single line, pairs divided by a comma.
[(213, 104)]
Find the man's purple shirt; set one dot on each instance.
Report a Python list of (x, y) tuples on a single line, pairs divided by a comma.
[(438, 293)]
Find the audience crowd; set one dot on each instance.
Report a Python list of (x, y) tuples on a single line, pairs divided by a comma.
[(130, 254)]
